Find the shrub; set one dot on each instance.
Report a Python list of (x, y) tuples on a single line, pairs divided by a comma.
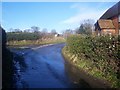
[(22, 36), (102, 52)]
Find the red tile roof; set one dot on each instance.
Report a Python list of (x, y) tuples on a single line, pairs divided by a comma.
[(105, 24)]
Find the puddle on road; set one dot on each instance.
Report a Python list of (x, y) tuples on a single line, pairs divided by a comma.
[(45, 69)]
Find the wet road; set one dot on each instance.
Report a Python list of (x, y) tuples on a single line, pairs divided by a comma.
[(45, 68)]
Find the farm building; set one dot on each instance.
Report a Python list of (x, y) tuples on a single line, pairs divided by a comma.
[(109, 22)]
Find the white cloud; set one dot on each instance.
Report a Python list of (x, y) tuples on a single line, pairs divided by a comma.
[(82, 16), (84, 12)]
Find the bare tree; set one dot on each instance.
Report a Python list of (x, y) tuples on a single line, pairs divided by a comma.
[(67, 32), (44, 30), (11, 30), (35, 29), (27, 30), (86, 27), (53, 32), (17, 30)]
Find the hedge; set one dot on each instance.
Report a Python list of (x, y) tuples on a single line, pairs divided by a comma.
[(100, 52), (22, 36)]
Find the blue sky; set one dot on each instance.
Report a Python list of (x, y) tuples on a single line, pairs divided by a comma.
[(50, 15)]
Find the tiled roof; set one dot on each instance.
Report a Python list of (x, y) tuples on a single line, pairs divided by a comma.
[(105, 24)]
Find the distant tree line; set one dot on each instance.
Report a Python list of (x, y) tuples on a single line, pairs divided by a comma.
[(33, 33), (86, 28), (22, 36)]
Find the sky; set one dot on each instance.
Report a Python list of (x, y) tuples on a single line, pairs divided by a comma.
[(50, 15)]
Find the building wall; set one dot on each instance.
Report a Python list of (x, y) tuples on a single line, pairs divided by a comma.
[(115, 23), (108, 31), (105, 32)]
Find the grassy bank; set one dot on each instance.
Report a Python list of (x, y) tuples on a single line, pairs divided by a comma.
[(97, 56), (36, 42), (79, 75)]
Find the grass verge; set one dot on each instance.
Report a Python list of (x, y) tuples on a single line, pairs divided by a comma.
[(111, 81)]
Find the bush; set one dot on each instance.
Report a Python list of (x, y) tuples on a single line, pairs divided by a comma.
[(102, 52), (22, 36)]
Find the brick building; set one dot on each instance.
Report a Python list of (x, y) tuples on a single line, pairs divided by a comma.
[(109, 22)]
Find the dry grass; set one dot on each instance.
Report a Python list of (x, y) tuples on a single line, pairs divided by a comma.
[(36, 42)]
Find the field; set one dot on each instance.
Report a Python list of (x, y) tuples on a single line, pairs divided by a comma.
[(36, 42)]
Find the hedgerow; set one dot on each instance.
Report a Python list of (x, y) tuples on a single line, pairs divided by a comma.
[(100, 52), (22, 36)]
